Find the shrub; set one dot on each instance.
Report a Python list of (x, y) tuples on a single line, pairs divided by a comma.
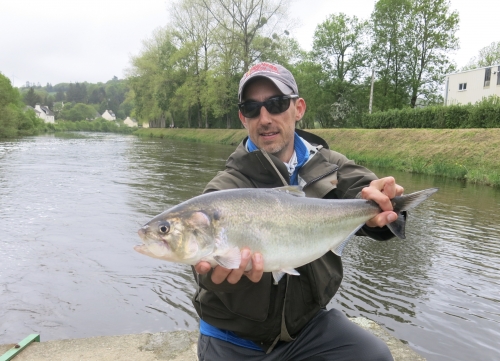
[(485, 114)]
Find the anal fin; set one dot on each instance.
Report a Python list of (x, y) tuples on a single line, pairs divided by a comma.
[(278, 275)]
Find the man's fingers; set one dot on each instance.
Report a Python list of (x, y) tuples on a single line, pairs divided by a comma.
[(255, 274), (220, 274), (202, 267), (233, 276), (378, 197), (236, 274), (383, 183), (382, 219)]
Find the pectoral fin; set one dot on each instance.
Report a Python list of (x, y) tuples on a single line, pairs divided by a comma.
[(229, 258)]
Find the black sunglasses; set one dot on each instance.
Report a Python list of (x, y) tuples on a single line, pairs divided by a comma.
[(274, 105)]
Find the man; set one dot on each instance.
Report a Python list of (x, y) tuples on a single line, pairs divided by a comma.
[(243, 314)]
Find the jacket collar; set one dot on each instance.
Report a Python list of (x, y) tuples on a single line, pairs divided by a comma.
[(256, 167)]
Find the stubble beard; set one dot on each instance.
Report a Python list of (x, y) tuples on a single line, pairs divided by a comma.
[(274, 149)]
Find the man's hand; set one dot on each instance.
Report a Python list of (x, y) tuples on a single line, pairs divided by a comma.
[(381, 191), (234, 275)]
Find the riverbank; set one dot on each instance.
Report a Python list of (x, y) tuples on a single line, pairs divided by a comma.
[(472, 155), (166, 346)]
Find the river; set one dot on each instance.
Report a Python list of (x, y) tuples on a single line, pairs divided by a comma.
[(71, 205)]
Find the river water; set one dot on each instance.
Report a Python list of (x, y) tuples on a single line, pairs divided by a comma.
[(71, 205)]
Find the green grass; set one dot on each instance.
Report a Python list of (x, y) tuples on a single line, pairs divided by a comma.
[(472, 155)]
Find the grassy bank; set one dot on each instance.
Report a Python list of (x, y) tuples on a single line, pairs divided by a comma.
[(469, 154)]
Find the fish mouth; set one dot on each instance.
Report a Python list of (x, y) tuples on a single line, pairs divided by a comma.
[(149, 238)]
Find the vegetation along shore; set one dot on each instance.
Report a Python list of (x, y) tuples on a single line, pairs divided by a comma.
[(472, 155)]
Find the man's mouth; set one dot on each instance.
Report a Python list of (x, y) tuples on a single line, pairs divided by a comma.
[(268, 134)]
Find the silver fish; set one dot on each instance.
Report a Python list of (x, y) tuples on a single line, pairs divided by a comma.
[(287, 228)]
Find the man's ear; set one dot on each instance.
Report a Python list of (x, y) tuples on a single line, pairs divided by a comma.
[(300, 109), (242, 119)]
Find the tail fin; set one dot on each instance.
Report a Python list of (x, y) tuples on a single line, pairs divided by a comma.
[(405, 203)]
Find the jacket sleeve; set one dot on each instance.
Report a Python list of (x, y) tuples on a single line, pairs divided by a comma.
[(352, 178)]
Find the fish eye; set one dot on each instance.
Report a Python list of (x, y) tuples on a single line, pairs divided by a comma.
[(164, 227)]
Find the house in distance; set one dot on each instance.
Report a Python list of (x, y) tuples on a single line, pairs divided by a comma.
[(471, 86), (109, 115)]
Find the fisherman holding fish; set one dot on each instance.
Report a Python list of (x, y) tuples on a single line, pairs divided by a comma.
[(243, 313), (259, 237)]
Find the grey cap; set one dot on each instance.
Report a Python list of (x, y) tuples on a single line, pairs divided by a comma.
[(278, 74)]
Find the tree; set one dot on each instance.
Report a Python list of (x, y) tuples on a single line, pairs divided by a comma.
[(390, 19), (78, 112), (488, 56), (189, 73), (340, 48), (97, 95), (8, 95), (153, 78), (13, 120), (194, 26), (77, 93), (244, 20), (31, 98), (433, 37), (412, 40), (60, 96)]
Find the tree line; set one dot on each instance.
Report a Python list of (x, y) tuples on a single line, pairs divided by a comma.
[(80, 101), (188, 72)]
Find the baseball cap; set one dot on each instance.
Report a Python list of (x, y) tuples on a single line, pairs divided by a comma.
[(278, 74)]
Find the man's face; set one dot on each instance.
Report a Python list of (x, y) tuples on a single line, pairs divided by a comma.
[(273, 133)]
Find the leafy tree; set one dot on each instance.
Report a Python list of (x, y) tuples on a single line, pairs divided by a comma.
[(433, 37), (77, 112), (97, 95), (412, 40), (489, 55), (340, 48), (77, 93), (244, 20), (13, 120), (194, 26), (115, 91), (390, 20), (153, 78), (32, 98), (8, 95), (60, 96)]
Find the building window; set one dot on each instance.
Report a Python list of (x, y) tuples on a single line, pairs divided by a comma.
[(462, 86), (487, 76), (498, 75)]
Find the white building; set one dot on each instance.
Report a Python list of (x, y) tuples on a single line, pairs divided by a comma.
[(109, 115), (471, 86), (44, 113), (130, 122)]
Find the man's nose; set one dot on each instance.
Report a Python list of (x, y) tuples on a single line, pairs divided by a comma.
[(265, 116)]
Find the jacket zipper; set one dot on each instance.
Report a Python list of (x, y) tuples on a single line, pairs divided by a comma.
[(321, 176)]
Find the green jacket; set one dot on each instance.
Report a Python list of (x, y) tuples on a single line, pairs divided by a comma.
[(263, 312)]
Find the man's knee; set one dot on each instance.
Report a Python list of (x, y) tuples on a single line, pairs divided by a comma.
[(371, 348)]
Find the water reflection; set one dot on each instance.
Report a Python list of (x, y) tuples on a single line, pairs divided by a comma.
[(438, 289), (71, 206)]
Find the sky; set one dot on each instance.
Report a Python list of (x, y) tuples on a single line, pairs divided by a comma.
[(55, 41)]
